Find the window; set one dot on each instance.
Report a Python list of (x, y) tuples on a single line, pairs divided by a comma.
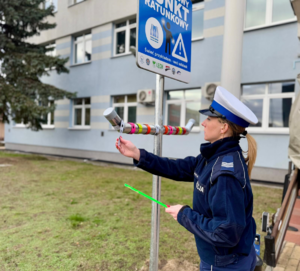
[(82, 112), (198, 18), (47, 119), (183, 105), (124, 37), (125, 106), (271, 103), (51, 46), (82, 48), (268, 12), (48, 3)]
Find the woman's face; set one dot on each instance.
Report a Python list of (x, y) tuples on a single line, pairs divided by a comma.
[(212, 129)]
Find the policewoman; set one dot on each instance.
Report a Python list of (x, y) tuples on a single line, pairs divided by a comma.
[(221, 217)]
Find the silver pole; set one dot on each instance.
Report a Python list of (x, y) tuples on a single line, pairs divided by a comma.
[(160, 83)]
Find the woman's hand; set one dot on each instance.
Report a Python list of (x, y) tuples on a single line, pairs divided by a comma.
[(127, 148), (174, 210)]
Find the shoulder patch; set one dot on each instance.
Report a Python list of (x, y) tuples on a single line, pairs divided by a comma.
[(227, 163)]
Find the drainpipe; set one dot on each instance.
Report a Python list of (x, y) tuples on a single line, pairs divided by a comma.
[(233, 46)]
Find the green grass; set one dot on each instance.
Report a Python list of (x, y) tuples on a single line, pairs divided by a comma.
[(65, 215)]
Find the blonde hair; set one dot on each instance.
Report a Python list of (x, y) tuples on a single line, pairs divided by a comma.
[(252, 146)]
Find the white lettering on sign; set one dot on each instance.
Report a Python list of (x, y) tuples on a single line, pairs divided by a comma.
[(174, 10)]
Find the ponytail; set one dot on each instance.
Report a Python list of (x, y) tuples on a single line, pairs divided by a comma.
[(252, 146), (251, 153)]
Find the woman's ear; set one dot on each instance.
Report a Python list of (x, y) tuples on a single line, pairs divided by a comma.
[(225, 128)]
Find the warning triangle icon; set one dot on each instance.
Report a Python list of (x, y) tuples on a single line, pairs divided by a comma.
[(180, 53)]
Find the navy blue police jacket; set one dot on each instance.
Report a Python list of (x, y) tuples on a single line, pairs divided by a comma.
[(221, 218)]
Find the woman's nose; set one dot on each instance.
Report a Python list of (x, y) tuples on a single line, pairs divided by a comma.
[(203, 123)]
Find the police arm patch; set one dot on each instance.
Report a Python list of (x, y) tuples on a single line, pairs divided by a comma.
[(227, 163)]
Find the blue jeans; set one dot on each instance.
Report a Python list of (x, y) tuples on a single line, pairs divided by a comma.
[(245, 263)]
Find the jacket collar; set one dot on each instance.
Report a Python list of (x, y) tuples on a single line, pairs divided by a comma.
[(211, 150)]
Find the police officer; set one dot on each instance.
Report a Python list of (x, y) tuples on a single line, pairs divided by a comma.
[(221, 218)]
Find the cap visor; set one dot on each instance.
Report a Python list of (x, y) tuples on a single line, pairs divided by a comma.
[(207, 112)]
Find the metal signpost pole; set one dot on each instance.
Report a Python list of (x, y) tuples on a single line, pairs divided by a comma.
[(164, 47), (160, 81)]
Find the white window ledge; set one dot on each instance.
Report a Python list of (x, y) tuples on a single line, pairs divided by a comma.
[(124, 54), (79, 64), (200, 38), (76, 4), (18, 126), (268, 131), (83, 128), (48, 127), (269, 25)]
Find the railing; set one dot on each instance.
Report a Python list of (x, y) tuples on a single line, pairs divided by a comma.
[(274, 241)]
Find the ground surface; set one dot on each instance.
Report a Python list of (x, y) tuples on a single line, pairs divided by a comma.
[(69, 215)]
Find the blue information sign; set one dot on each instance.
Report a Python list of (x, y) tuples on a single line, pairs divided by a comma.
[(164, 43)]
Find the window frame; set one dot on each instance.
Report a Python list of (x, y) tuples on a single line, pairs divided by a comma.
[(53, 52), (268, 18), (72, 2), (81, 106), (183, 103), (84, 43), (49, 125), (44, 126), (198, 6), (266, 97), (126, 104), (127, 29)]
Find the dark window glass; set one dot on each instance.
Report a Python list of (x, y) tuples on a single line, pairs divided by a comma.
[(88, 50), (254, 89), (282, 87), (121, 24), (132, 114), (131, 98), (257, 107), (175, 95), (279, 112), (192, 112), (132, 36), (174, 114), (121, 42), (87, 116), (77, 101), (87, 101), (119, 99), (77, 117), (132, 21), (255, 13), (197, 28), (120, 111)]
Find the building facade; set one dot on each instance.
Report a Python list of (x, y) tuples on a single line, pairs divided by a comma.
[(96, 36)]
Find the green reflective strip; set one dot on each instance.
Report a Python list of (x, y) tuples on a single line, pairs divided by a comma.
[(146, 195), (140, 128), (180, 130)]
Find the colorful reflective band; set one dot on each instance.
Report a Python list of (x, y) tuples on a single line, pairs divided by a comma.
[(171, 129), (177, 130), (133, 128), (140, 128), (184, 130), (148, 129), (166, 129), (180, 130)]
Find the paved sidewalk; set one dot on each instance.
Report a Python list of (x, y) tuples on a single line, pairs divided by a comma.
[(289, 259)]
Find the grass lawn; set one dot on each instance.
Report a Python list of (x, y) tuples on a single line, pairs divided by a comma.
[(67, 215)]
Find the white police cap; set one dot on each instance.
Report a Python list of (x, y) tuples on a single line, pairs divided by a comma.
[(227, 106)]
